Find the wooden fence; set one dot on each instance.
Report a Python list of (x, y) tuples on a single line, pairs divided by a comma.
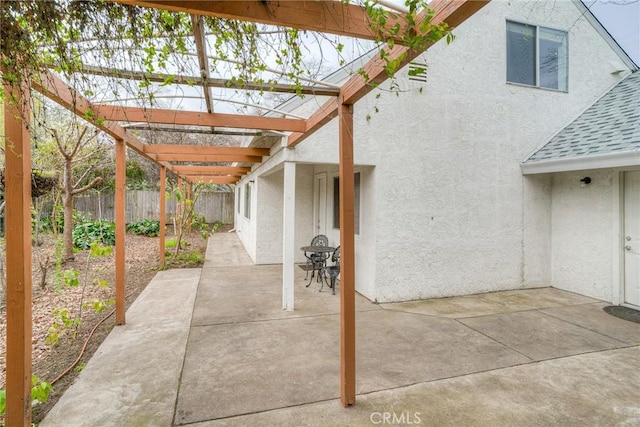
[(140, 204)]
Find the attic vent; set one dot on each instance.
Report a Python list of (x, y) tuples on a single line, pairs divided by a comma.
[(418, 71)]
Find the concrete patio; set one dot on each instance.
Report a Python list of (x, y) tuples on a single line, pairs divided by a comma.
[(212, 347)]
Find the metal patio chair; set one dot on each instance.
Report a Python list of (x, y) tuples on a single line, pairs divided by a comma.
[(316, 259), (333, 271)]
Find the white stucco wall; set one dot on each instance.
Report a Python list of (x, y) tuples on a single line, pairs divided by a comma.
[(453, 213), (445, 209), (585, 229), (262, 234), (365, 239)]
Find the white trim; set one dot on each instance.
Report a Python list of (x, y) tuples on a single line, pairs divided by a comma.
[(617, 252), (288, 236), (605, 35), (597, 161)]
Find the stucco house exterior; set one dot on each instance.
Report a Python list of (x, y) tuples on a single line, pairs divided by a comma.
[(452, 196)]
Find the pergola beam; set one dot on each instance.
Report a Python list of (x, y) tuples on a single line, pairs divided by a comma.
[(207, 82), (58, 91), (321, 117), (204, 149), (333, 17), (453, 12), (208, 158), (212, 170), (196, 118), (213, 179), (201, 131)]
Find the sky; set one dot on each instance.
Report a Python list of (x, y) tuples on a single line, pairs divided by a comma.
[(621, 18)]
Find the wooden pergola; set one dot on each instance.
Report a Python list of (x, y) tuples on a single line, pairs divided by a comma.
[(334, 17)]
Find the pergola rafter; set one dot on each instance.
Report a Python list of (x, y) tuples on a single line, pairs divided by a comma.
[(333, 17), (201, 49), (206, 81), (453, 12), (195, 118)]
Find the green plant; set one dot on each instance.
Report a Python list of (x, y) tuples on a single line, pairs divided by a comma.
[(172, 243), (3, 402), (98, 305), (189, 258), (62, 323), (146, 227), (199, 222), (40, 390), (87, 232)]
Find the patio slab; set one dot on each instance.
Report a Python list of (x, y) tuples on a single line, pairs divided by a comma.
[(132, 378), (252, 293), (267, 365), (223, 352), (594, 318), (225, 250), (540, 336), (491, 303), (586, 390)]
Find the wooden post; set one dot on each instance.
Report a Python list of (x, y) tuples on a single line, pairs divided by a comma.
[(189, 186), (163, 201), (179, 203), (347, 259), (18, 256), (121, 154)]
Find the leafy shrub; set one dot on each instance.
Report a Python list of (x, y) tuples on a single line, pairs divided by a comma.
[(199, 223), (190, 258), (146, 227), (172, 243), (87, 232)]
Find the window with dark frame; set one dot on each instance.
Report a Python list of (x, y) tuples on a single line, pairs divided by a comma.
[(537, 56), (239, 198), (336, 202), (247, 201)]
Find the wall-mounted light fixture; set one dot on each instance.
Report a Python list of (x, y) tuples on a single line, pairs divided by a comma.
[(585, 181)]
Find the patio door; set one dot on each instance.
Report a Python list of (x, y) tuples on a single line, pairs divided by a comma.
[(631, 238), (320, 204)]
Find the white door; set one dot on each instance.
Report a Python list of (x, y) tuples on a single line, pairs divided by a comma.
[(320, 204), (631, 238)]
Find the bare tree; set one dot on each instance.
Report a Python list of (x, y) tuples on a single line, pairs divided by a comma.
[(74, 149)]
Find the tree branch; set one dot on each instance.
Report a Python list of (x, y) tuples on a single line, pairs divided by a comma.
[(89, 169), (89, 186), (89, 155), (64, 153), (79, 141)]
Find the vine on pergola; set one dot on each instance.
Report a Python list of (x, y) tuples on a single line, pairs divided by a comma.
[(64, 34)]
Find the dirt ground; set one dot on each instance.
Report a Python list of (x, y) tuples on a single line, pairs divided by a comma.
[(51, 361)]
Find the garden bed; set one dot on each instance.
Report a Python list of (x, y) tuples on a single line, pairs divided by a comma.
[(51, 360)]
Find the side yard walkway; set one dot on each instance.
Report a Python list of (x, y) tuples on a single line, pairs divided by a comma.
[(223, 353), (132, 379)]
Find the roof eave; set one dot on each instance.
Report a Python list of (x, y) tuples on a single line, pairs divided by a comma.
[(606, 35), (598, 161)]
